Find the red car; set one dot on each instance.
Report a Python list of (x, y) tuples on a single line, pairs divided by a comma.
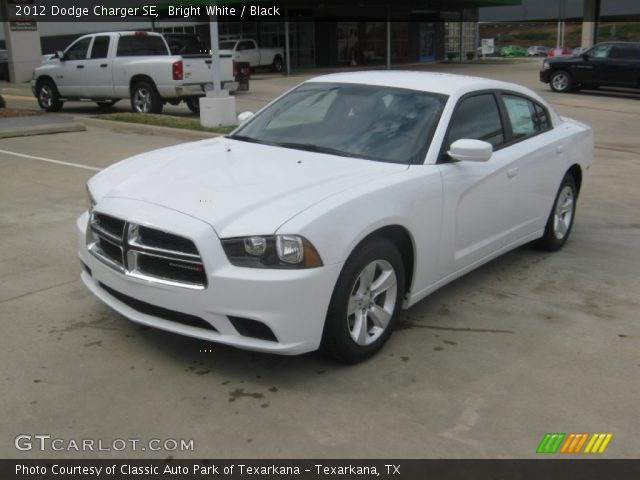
[(554, 52)]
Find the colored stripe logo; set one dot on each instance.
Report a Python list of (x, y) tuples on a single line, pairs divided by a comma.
[(573, 443)]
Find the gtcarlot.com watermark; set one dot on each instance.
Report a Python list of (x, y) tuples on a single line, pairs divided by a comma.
[(49, 443)]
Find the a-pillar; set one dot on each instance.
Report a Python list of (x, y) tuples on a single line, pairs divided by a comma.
[(591, 17)]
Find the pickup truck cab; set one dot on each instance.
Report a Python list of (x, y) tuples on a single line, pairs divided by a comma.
[(608, 64), (246, 50), (107, 67)]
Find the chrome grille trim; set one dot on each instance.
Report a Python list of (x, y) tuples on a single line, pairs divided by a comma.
[(132, 248)]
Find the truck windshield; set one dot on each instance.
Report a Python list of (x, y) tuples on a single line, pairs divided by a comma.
[(377, 123)]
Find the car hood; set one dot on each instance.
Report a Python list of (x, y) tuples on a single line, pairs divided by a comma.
[(239, 188)]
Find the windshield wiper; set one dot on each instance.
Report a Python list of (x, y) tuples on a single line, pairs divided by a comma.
[(244, 138), (310, 147)]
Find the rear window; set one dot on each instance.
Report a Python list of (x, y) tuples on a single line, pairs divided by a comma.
[(138, 46), (625, 52)]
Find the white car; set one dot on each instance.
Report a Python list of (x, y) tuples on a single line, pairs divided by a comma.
[(247, 50), (351, 196)]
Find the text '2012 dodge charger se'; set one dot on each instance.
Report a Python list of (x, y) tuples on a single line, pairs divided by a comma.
[(349, 197)]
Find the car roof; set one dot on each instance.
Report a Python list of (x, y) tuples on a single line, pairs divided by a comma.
[(443, 83)]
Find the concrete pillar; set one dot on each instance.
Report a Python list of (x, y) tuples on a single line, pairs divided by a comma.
[(591, 18), (23, 44), (287, 45), (388, 38)]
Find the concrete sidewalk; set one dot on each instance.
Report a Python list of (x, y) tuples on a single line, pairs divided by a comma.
[(38, 125)]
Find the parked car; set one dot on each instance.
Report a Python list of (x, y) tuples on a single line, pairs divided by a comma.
[(537, 51), (556, 52), (107, 67), (609, 64), (4, 65), (513, 51), (348, 198), (246, 50)]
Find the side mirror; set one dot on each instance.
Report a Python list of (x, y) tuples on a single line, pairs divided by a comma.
[(470, 150), (244, 116), (585, 56), (60, 55)]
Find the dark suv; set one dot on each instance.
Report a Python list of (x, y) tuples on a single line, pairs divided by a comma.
[(610, 64)]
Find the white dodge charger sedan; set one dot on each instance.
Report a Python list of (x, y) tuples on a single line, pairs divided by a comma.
[(349, 197)]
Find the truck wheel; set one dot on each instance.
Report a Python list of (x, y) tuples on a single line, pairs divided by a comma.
[(277, 65), (561, 81), (48, 96), (145, 98), (193, 103)]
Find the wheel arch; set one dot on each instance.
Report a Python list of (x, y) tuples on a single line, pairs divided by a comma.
[(404, 242), (42, 78), (141, 78), (576, 172)]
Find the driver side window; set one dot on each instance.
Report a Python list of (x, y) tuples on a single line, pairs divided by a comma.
[(477, 118), (78, 51)]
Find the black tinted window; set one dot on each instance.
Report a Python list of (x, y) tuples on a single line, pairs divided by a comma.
[(245, 45), (477, 118), (100, 47), (625, 52), (140, 46), (78, 51)]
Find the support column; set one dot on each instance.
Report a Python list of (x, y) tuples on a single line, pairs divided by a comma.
[(23, 44), (591, 19), (287, 43), (388, 38), (218, 108)]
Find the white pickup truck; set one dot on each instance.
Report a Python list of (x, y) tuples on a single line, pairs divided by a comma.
[(107, 67), (246, 50)]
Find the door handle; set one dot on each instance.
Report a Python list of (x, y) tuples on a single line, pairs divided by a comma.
[(512, 172), (80, 66), (104, 65)]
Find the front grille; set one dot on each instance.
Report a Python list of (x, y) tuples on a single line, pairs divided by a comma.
[(160, 312), (166, 241), (145, 253)]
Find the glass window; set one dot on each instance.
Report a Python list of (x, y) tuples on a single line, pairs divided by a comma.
[(525, 116), (477, 118), (625, 52), (140, 46), (246, 45), (78, 51), (377, 123), (600, 51), (100, 47)]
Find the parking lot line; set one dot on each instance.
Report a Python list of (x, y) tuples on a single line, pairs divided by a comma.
[(49, 160)]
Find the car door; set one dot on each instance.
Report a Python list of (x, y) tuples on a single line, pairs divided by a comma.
[(535, 150), (599, 68), (99, 69), (248, 52), (477, 195), (625, 59), (70, 74)]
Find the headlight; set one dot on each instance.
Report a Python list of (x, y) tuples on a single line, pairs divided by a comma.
[(92, 201), (275, 251)]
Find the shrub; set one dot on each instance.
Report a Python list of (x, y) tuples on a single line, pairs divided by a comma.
[(451, 55), (471, 55), (2, 102)]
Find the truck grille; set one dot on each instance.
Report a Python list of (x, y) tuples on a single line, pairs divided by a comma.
[(145, 253)]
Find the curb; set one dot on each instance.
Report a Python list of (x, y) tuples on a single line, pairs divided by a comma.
[(147, 129), (41, 130)]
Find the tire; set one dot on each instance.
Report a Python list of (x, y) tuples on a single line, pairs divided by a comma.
[(562, 215), (48, 96), (353, 332), (106, 105), (194, 104), (561, 81), (277, 65), (145, 98)]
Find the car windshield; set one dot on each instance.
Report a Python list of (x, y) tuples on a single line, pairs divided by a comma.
[(227, 45), (377, 123)]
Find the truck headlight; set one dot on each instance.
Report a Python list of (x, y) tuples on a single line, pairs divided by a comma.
[(273, 251)]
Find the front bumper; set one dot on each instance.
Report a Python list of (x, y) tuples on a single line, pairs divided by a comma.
[(544, 75), (292, 303)]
